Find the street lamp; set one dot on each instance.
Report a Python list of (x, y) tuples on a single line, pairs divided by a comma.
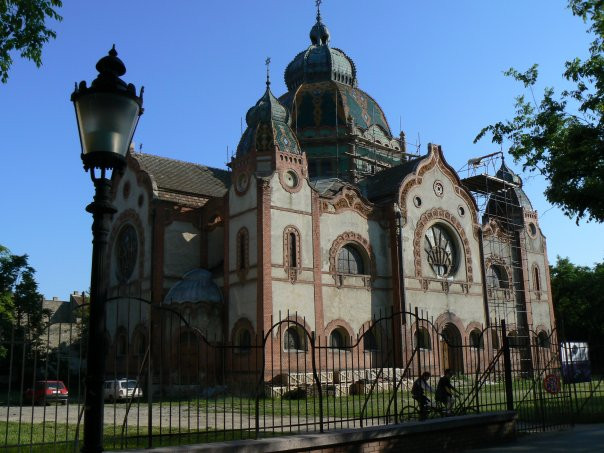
[(107, 113)]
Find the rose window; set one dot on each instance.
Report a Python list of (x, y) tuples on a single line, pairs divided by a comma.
[(440, 250)]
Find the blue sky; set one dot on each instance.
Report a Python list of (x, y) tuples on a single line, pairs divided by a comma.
[(436, 66)]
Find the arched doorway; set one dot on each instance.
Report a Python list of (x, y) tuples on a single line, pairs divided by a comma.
[(452, 353)]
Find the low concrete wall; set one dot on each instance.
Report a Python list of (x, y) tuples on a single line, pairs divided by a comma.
[(445, 434)]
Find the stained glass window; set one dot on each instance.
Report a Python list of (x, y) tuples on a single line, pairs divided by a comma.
[(440, 248)]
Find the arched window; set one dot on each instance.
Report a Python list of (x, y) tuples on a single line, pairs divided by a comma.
[(494, 338), (440, 250), (140, 346), (497, 277), (543, 339), (371, 339), (514, 340), (422, 339), (121, 344), (294, 339), (242, 250), (476, 339), (126, 250), (244, 340), (350, 261), (536, 279), (337, 338), (293, 253)]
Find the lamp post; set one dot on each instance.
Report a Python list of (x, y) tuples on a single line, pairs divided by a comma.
[(107, 113)]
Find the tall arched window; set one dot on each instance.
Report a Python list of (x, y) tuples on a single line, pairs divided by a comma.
[(350, 261), (337, 338), (476, 339), (294, 339), (422, 339), (497, 277), (536, 279), (242, 250), (244, 340), (293, 253)]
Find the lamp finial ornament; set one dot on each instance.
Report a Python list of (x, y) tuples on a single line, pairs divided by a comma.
[(318, 5), (267, 62)]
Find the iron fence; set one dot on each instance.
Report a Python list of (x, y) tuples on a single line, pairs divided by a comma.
[(170, 382)]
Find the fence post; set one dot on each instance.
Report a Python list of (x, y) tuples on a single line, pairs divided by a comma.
[(415, 338), (395, 326), (507, 365)]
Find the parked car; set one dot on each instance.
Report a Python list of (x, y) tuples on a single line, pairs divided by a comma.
[(121, 389), (45, 392)]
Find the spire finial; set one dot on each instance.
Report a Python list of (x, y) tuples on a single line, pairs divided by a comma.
[(267, 62), (318, 5)]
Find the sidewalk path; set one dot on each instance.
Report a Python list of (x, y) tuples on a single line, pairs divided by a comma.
[(583, 438)]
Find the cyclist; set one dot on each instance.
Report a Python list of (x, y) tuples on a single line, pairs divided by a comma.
[(418, 392), (445, 390)]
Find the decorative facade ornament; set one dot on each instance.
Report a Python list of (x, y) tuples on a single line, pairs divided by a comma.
[(427, 219), (292, 253), (439, 190), (348, 200), (126, 249)]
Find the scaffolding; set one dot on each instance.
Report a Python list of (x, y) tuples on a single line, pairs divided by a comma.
[(502, 208)]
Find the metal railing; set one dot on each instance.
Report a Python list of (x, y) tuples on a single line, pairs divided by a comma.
[(167, 383)]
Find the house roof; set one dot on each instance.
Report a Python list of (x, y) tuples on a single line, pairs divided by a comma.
[(176, 176), (386, 183)]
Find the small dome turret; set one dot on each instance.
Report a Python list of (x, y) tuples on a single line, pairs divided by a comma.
[(268, 127), (320, 62)]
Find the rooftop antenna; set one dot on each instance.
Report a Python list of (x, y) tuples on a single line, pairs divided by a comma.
[(140, 147), (227, 157), (318, 5)]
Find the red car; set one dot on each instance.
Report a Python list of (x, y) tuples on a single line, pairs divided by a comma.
[(47, 392)]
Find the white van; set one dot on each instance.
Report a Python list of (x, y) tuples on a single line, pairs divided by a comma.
[(121, 389)]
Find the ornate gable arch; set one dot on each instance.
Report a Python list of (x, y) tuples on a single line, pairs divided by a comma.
[(435, 158)]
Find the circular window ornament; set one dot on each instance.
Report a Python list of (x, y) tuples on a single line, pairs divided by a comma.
[(461, 211), (290, 178), (126, 251), (532, 229), (417, 201), (438, 188), (440, 251), (242, 182)]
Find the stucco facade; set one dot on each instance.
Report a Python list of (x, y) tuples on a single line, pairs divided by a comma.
[(322, 217)]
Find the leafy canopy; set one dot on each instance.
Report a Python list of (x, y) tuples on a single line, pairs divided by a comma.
[(23, 29), (562, 136), (578, 294), (20, 301)]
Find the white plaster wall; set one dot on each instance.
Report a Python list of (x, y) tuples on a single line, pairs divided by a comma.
[(249, 221), (299, 201), (469, 307), (181, 248), (354, 305), (242, 303), (295, 298), (248, 200)]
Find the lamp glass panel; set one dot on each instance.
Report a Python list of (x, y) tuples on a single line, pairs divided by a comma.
[(107, 122)]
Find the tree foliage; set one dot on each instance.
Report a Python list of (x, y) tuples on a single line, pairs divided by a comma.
[(562, 136), (23, 29), (20, 302), (578, 294)]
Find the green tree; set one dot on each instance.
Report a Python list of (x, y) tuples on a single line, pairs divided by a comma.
[(578, 294), (562, 136), (23, 29), (20, 302)]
